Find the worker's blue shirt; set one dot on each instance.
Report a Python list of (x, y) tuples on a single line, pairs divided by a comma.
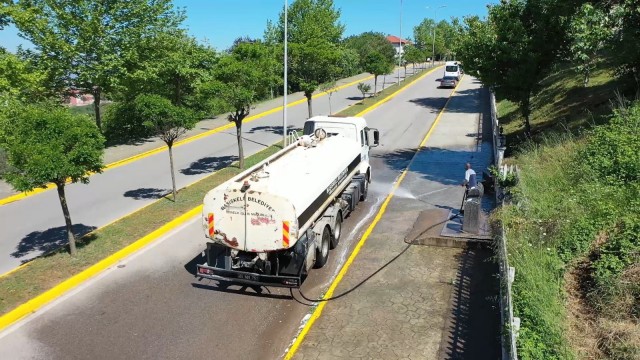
[(470, 178)]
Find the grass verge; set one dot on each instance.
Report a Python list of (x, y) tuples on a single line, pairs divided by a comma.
[(572, 230), (45, 272)]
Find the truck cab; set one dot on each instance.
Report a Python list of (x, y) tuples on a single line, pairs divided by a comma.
[(354, 128)]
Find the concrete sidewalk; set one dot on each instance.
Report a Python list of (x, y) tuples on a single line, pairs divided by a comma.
[(431, 302), (124, 151)]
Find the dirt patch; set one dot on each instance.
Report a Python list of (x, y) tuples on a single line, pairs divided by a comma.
[(592, 335), (582, 320)]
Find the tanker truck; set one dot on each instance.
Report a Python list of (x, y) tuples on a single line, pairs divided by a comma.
[(272, 223)]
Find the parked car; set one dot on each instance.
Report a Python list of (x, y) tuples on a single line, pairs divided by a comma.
[(448, 81)]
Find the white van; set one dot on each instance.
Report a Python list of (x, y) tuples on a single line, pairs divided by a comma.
[(452, 68)]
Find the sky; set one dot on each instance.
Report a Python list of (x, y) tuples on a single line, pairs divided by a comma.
[(221, 21)]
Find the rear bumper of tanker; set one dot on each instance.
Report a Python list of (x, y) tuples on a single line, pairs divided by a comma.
[(219, 267), (249, 278)]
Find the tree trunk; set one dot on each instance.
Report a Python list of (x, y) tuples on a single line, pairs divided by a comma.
[(375, 84), (308, 96), (67, 219), (96, 106), (173, 174), (329, 103), (526, 113), (239, 137)]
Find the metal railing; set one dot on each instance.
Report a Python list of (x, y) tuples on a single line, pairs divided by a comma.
[(510, 324)]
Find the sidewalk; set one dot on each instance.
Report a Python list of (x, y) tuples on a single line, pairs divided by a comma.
[(124, 151), (432, 302)]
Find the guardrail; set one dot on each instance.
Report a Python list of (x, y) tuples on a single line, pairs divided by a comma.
[(510, 324)]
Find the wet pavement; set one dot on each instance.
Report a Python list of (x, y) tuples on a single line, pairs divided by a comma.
[(428, 302)]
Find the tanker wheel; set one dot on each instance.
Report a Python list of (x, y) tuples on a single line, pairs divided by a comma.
[(337, 231), (365, 190), (322, 253)]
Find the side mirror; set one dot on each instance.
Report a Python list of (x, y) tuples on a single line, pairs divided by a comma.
[(376, 138)]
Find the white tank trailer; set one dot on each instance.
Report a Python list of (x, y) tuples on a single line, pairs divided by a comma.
[(273, 222)]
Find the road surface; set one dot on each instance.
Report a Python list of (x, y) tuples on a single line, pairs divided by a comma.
[(150, 306)]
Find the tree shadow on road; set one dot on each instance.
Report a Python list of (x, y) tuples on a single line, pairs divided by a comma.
[(473, 328), (42, 242), (272, 129), (436, 164), (208, 164), (146, 193)]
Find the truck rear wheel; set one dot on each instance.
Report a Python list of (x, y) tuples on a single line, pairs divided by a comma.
[(322, 253), (365, 190), (337, 231)]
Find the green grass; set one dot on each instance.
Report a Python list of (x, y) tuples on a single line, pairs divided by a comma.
[(45, 272), (562, 105), (575, 213)]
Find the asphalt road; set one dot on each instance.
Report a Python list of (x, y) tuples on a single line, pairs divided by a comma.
[(35, 225), (151, 306)]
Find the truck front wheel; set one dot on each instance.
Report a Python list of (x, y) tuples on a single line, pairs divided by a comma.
[(322, 252)]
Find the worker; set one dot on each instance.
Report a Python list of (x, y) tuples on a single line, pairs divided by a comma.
[(469, 177)]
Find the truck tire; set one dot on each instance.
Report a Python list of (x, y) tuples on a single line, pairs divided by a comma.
[(322, 253), (365, 190), (337, 231)]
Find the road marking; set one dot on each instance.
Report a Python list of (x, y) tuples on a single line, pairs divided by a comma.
[(73, 282), (318, 310), (48, 296), (118, 163)]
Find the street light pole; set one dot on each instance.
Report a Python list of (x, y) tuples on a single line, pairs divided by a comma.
[(400, 53), (284, 103), (435, 11)]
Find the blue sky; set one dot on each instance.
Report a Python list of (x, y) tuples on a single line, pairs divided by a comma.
[(222, 21)]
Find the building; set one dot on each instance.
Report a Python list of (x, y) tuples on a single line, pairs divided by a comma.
[(398, 43), (77, 98)]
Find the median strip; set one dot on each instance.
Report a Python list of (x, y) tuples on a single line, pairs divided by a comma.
[(28, 288)]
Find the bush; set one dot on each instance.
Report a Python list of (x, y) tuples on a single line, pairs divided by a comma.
[(612, 152)]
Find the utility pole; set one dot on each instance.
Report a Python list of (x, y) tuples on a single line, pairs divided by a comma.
[(284, 103), (400, 53)]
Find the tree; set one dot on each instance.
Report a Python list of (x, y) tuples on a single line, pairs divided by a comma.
[(364, 89), (20, 78), (369, 42), (47, 144), (589, 33), (89, 40), (516, 47), (167, 121), (312, 64), (330, 89), (413, 55), (239, 81), (377, 64), (310, 20), (171, 64)]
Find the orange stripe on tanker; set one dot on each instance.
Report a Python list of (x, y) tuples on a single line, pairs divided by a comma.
[(211, 230), (285, 233)]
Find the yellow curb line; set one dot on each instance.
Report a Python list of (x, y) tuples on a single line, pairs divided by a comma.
[(43, 299), (148, 153), (318, 311), (48, 296)]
